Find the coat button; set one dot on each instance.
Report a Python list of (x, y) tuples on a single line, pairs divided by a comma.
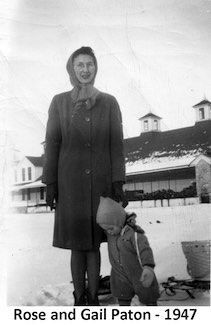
[(87, 171), (87, 119), (88, 145)]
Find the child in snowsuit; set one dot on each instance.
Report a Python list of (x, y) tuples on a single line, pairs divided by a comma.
[(130, 255)]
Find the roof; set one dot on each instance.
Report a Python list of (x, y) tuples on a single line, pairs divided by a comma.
[(36, 161), (160, 151), (201, 157), (205, 101), (22, 185), (37, 183), (148, 115), (166, 150)]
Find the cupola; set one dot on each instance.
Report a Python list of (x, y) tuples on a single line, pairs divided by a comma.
[(203, 110), (150, 123)]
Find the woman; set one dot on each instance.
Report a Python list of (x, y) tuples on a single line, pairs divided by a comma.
[(84, 159)]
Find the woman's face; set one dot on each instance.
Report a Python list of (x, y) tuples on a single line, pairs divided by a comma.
[(84, 68)]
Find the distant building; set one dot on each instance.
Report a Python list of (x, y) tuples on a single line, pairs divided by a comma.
[(160, 165), (170, 164), (28, 192)]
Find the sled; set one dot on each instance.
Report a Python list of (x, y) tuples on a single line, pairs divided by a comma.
[(172, 285)]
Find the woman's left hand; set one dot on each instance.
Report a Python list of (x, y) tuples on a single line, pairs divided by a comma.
[(118, 195)]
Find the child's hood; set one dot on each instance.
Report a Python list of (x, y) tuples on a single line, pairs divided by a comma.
[(110, 212)]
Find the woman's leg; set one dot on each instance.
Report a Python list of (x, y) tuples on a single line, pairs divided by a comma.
[(78, 269), (93, 275)]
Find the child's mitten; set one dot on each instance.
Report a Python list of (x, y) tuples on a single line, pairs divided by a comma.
[(147, 276)]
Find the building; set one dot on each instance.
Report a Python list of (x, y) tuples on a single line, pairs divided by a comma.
[(160, 165), (170, 164), (28, 192)]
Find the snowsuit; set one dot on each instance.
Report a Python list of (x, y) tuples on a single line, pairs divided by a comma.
[(84, 155), (126, 269)]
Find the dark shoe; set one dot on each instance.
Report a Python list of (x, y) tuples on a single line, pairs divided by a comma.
[(92, 301), (152, 304), (79, 301)]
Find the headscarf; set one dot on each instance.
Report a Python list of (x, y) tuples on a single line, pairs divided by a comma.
[(82, 93)]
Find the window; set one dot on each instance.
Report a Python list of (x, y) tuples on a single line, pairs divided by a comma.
[(155, 125), (23, 175), (16, 176), (42, 191), (29, 173), (28, 194), (146, 127), (201, 113), (23, 195)]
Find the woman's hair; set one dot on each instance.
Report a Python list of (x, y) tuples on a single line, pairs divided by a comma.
[(82, 50)]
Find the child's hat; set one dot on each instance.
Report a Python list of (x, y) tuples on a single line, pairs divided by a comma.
[(110, 212)]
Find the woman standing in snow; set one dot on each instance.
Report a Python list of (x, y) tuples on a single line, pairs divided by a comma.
[(84, 159)]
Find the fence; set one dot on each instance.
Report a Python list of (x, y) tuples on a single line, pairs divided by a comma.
[(164, 202)]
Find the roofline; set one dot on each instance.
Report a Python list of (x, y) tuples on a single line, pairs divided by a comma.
[(158, 170), (203, 102), (30, 158), (35, 184), (150, 114), (201, 157)]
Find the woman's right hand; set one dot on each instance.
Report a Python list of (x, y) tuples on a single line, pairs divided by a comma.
[(51, 195)]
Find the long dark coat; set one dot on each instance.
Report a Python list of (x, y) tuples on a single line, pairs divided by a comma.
[(84, 155)]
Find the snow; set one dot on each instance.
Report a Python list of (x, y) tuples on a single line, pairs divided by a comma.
[(160, 161), (39, 274)]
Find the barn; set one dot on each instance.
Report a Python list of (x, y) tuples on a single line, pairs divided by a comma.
[(170, 164), (163, 168)]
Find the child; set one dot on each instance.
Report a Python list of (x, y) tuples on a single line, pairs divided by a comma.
[(130, 255)]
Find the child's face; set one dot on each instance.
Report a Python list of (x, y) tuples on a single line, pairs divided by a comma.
[(111, 229)]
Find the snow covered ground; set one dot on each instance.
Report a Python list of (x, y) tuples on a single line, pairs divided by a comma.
[(39, 274)]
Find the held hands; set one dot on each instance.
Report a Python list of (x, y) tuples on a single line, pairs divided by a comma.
[(51, 195), (117, 193), (147, 276)]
